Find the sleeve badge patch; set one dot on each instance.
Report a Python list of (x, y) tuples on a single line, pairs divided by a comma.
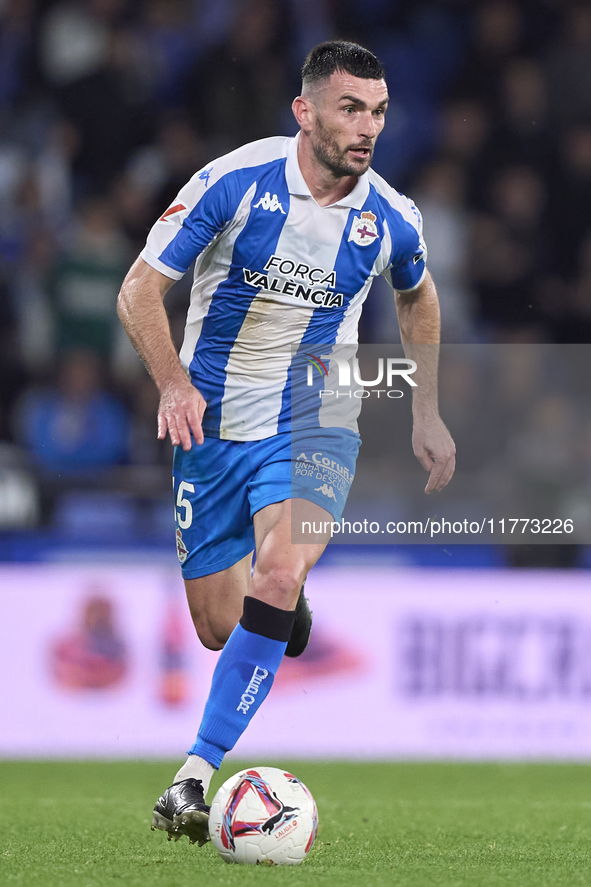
[(172, 211)]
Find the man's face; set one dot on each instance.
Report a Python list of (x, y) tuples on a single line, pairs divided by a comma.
[(349, 116)]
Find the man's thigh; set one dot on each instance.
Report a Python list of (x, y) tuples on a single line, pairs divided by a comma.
[(314, 466), (220, 485), (281, 566), (222, 488)]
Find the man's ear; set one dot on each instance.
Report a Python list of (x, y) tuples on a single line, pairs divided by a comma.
[(304, 113)]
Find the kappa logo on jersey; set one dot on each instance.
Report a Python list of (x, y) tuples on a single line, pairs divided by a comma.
[(204, 175), (181, 549), (363, 230), (270, 203), (326, 491), (172, 211)]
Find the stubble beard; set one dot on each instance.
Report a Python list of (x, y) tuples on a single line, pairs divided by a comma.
[(328, 153)]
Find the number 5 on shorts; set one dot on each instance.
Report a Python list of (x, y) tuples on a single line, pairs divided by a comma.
[(187, 520)]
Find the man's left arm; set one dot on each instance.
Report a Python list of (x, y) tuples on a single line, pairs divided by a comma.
[(419, 320)]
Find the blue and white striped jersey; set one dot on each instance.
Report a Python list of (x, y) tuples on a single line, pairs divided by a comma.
[(275, 270)]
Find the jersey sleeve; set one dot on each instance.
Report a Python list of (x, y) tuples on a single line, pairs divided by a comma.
[(408, 260), (195, 218)]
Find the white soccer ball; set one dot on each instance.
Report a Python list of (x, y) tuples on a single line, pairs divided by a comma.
[(263, 815)]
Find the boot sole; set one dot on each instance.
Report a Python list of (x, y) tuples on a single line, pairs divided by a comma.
[(192, 823)]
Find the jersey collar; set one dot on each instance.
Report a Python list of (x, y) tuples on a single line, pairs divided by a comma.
[(297, 184)]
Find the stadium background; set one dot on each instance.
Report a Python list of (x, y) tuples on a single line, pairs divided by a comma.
[(106, 108)]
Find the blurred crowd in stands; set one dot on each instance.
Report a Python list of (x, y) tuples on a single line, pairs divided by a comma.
[(107, 107)]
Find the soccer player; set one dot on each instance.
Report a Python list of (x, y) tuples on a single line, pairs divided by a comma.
[(287, 235)]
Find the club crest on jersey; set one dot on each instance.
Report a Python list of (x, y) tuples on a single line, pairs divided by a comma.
[(270, 203), (363, 230), (181, 549)]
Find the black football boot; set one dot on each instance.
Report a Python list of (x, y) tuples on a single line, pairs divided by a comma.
[(182, 811), (300, 633)]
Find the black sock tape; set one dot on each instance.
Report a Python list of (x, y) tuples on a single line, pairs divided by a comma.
[(270, 622)]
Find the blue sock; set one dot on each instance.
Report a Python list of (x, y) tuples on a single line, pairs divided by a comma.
[(243, 677)]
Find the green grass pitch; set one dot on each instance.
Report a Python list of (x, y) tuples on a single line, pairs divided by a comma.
[(413, 825)]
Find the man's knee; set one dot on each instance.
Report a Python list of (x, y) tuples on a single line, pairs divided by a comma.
[(278, 581)]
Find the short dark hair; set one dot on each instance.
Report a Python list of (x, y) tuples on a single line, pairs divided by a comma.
[(340, 55)]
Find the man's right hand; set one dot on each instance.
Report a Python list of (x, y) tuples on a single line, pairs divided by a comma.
[(180, 413)]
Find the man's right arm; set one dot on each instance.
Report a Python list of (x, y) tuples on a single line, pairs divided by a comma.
[(141, 310)]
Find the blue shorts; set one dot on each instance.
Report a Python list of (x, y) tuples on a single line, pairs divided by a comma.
[(221, 484)]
